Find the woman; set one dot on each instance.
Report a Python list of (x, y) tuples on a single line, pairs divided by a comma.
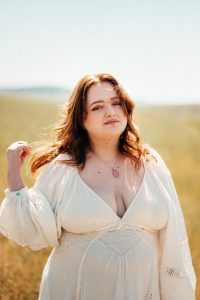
[(105, 201)]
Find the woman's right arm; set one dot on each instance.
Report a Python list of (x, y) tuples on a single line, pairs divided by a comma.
[(27, 215), (16, 153)]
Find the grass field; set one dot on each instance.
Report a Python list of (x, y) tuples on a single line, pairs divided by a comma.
[(172, 130)]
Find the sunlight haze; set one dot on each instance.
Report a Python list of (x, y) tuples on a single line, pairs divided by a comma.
[(152, 47)]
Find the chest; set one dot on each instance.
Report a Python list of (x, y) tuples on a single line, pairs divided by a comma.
[(118, 192), (83, 210)]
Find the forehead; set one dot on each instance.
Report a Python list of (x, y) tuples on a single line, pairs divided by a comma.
[(100, 91)]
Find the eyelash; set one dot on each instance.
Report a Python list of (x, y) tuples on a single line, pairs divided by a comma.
[(99, 106)]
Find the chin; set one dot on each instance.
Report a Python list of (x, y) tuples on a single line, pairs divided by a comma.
[(114, 130), (112, 135)]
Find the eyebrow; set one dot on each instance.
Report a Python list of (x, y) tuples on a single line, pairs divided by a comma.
[(98, 101)]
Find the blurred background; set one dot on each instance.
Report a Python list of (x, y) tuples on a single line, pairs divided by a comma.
[(151, 47)]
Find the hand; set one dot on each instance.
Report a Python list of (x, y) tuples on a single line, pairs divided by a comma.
[(16, 153)]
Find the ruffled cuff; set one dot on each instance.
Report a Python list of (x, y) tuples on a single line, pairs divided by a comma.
[(16, 194)]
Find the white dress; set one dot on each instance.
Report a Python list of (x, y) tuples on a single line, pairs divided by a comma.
[(98, 255)]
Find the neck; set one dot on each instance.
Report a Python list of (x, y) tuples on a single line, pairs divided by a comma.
[(106, 150)]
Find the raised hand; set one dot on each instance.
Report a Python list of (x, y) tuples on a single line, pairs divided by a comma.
[(16, 153)]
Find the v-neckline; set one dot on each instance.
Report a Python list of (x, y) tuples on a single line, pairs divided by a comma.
[(105, 203)]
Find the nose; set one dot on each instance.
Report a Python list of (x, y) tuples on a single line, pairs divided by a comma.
[(110, 110)]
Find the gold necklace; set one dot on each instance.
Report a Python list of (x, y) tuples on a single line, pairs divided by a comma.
[(115, 172)]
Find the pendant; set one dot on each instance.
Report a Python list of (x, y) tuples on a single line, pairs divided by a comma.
[(115, 173)]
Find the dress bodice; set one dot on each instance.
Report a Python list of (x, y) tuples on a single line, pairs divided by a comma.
[(83, 210)]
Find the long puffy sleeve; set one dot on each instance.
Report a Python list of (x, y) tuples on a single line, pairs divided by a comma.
[(177, 276), (29, 216)]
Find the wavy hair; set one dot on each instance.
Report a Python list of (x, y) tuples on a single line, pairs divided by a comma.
[(72, 138)]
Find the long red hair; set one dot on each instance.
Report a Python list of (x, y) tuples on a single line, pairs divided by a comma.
[(72, 138)]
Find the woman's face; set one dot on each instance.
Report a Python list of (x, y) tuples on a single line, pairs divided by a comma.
[(103, 105)]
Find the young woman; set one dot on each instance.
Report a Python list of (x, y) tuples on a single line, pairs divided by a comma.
[(105, 201)]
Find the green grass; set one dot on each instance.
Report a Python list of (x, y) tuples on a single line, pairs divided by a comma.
[(172, 130)]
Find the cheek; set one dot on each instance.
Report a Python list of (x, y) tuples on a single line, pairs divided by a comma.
[(124, 120), (91, 122), (124, 123), (123, 114), (120, 110)]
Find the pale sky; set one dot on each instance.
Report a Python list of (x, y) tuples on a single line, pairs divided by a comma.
[(151, 46)]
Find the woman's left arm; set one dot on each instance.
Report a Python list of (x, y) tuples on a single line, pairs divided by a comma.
[(177, 276)]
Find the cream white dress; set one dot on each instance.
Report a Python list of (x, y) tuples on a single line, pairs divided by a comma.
[(97, 255)]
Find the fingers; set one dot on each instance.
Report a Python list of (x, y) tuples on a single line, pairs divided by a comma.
[(18, 145), (23, 143), (18, 149), (24, 151)]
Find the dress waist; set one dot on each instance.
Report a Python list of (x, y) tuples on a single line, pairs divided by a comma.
[(118, 226), (114, 230)]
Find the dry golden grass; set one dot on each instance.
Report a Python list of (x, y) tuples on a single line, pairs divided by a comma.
[(173, 131)]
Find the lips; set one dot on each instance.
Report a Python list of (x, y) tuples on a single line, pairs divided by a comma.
[(111, 122)]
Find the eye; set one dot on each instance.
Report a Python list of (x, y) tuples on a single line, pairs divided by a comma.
[(117, 103), (97, 107)]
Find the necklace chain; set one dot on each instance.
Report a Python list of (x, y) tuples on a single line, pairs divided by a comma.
[(115, 172)]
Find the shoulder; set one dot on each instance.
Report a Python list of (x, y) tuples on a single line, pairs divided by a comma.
[(55, 168), (62, 156), (155, 160)]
